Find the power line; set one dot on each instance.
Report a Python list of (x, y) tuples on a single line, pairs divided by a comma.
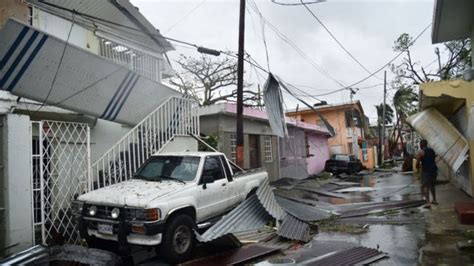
[(185, 16), (59, 66), (334, 37), (393, 59), (288, 41), (298, 4)]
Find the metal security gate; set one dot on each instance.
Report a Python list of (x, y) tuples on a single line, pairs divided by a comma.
[(61, 170)]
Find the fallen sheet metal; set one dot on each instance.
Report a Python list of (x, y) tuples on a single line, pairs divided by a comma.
[(442, 136), (298, 195), (380, 220), (344, 183), (305, 212), (354, 210), (257, 235), (274, 107), (267, 198), (294, 229), (355, 189), (236, 256), (352, 256), (249, 215), (322, 191)]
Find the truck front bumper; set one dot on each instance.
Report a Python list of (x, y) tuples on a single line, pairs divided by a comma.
[(122, 231)]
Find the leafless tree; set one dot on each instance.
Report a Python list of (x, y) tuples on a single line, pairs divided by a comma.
[(211, 80), (411, 72)]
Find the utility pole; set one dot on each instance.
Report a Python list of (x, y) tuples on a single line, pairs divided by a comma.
[(240, 88), (383, 114), (355, 145)]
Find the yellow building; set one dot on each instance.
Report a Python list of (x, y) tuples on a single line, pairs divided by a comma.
[(453, 99)]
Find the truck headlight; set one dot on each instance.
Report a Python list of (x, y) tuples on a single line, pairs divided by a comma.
[(115, 213), (76, 207), (92, 210)]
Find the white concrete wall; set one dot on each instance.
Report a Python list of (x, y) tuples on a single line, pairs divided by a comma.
[(104, 134), (60, 27), (17, 182)]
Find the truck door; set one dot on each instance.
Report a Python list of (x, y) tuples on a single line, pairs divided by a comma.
[(213, 199)]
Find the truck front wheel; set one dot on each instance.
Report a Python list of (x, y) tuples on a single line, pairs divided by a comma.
[(178, 239)]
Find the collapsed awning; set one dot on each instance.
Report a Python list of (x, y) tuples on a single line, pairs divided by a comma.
[(32, 66), (442, 136)]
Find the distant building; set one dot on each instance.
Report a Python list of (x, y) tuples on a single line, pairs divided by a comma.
[(303, 153), (350, 125)]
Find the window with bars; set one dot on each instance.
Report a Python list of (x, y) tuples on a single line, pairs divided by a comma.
[(141, 63), (233, 147), (267, 141)]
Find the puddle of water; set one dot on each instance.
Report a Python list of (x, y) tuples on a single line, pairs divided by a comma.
[(401, 242)]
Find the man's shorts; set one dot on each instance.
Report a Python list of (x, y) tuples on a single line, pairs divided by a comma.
[(428, 179)]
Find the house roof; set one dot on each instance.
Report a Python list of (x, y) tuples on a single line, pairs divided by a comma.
[(328, 107), (452, 20), (254, 113), (118, 18)]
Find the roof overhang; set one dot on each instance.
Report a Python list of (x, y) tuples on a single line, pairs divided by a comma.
[(118, 18), (452, 20), (446, 96)]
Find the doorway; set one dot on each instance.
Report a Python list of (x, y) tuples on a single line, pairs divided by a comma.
[(254, 151)]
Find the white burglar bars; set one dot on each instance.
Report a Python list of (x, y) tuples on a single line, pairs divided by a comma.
[(60, 163), (141, 63), (176, 116)]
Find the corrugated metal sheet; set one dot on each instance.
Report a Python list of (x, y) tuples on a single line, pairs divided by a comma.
[(294, 229), (236, 256), (267, 198), (127, 22), (305, 212), (442, 136), (85, 82), (274, 107), (350, 256), (249, 215), (354, 210)]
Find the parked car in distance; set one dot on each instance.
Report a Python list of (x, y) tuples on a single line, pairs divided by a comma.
[(343, 163)]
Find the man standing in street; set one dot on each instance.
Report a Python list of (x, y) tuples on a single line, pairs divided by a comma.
[(429, 171)]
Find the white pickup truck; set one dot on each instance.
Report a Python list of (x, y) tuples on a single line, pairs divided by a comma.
[(169, 196)]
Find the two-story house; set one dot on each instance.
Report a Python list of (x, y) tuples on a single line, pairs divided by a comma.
[(349, 123), (82, 105)]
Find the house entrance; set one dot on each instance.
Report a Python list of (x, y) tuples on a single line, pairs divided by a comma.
[(254, 151), (61, 163)]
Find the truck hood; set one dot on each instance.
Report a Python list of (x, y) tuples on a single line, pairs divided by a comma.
[(133, 193)]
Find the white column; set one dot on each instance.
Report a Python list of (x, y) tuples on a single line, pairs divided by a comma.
[(17, 182)]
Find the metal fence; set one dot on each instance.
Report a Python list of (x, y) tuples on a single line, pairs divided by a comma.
[(176, 116), (60, 157)]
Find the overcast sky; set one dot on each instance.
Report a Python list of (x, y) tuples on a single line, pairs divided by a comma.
[(366, 28)]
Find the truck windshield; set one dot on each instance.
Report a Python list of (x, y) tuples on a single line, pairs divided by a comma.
[(179, 168)]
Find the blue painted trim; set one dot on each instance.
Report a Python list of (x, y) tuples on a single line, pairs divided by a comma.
[(111, 102), (126, 97), (27, 63), (120, 98), (13, 47), (18, 58)]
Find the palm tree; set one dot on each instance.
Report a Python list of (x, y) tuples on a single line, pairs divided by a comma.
[(405, 102)]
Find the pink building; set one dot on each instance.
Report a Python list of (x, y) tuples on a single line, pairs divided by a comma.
[(300, 155)]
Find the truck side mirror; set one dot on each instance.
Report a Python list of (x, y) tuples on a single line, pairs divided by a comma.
[(207, 180)]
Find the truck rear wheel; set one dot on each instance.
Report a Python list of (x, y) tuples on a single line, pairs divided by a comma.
[(178, 239)]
